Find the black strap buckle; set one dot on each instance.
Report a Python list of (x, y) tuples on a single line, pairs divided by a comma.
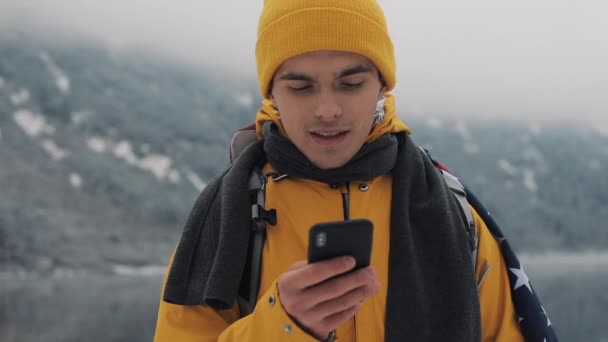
[(260, 215)]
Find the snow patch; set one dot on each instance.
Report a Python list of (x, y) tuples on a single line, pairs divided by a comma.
[(63, 83), (97, 144), (195, 180), (434, 123), (471, 148), (507, 167), (123, 151), (20, 97), (75, 180), (2, 83), (32, 124), (245, 100), (53, 150), (157, 164), (530, 180), (80, 116), (61, 80)]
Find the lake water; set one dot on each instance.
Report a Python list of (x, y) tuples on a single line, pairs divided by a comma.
[(121, 305)]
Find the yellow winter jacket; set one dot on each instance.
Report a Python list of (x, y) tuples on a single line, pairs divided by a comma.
[(301, 203)]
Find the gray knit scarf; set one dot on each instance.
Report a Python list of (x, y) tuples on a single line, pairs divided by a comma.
[(432, 293)]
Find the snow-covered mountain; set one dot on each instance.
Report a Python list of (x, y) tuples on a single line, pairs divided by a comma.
[(104, 149), (103, 154), (114, 148)]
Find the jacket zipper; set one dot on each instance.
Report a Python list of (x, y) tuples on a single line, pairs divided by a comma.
[(345, 190)]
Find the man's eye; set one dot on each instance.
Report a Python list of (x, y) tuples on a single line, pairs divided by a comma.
[(349, 85), (300, 89)]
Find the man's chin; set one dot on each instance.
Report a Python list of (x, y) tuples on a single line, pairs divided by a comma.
[(330, 162)]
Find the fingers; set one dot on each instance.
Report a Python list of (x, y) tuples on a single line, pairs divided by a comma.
[(302, 276), (318, 272), (331, 322), (322, 326), (336, 295), (335, 306), (359, 285), (320, 296)]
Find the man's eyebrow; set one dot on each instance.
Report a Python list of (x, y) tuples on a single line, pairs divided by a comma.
[(292, 76), (354, 70)]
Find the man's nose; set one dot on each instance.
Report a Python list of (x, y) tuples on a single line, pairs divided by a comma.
[(328, 107)]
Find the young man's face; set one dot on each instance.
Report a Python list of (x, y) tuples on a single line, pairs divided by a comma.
[(327, 101)]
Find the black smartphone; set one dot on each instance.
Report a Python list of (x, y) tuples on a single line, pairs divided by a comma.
[(332, 239)]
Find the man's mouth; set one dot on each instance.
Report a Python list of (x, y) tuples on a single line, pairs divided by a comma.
[(328, 138), (332, 134)]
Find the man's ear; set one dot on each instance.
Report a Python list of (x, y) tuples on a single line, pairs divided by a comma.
[(382, 92), (383, 85)]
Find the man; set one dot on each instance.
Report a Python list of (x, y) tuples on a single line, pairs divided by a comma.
[(332, 148)]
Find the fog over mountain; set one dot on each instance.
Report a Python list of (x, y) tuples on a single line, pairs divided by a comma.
[(541, 60)]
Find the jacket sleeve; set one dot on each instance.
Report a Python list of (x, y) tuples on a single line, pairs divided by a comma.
[(498, 317), (268, 322)]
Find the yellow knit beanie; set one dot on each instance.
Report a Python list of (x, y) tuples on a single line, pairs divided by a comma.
[(289, 28)]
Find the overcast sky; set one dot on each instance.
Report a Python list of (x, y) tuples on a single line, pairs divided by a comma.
[(537, 59)]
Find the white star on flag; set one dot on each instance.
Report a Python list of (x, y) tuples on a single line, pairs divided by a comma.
[(545, 312), (522, 278)]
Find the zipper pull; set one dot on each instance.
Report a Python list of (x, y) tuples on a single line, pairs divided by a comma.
[(264, 179)]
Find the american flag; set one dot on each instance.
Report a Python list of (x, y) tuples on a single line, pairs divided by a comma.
[(533, 319)]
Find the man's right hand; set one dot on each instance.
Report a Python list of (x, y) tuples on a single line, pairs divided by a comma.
[(319, 297)]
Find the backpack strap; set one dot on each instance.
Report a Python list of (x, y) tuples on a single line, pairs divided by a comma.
[(250, 282), (460, 194), (240, 140)]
